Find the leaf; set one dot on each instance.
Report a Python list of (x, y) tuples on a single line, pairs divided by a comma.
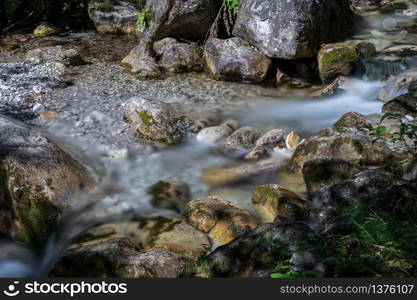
[(389, 116)]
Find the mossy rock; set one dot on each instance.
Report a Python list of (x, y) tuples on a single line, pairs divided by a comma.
[(45, 30), (337, 59), (220, 219), (183, 239), (38, 181), (274, 202)]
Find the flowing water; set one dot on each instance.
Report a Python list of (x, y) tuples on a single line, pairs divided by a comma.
[(93, 128)]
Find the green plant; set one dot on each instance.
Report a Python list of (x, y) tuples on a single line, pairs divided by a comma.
[(373, 243), (406, 130), (144, 19), (233, 5)]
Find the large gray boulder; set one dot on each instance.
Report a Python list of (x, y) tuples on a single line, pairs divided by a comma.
[(235, 60), (113, 16), (182, 18), (292, 29)]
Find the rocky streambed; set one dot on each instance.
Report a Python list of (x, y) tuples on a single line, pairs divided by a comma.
[(157, 157)]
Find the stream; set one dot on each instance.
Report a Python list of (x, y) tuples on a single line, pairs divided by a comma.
[(91, 126)]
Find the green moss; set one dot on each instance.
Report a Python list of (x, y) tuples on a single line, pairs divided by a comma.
[(339, 55), (146, 118), (38, 219)]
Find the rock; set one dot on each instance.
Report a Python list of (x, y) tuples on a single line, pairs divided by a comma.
[(189, 20), (68, 57), (140, 232), (398, 85), (337, 59), (320, 172), (401, 50), (265, 25), (170, 194), (183, 239), (271, 138), (292, 141), (240, 172), (220, 219), (114, 16), (140, 62), (119, 258), (383, 67), (370, 188), (282, 78), (405, 103), (216, 133), (39, 181), (257, 153), (240, 141), (261, 249), (182, 57), (365, 49), (160, 46), (274, 202), (345, 143), (234, 60), (45, 30), (155, 120), (354, 120)]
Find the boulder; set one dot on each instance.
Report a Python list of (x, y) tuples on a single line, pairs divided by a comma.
[(354, 120), (45, 30), (336, 60), (398, 85), (190, 20), (38, 180), (214, 134), (160, 46), (345, 143), (383, 67), (220, 219), (140, 232), (365, 49), (114, 16), (262, 248), (234, 60), (181, 238), (182, 57), (170, 194), (405, 103), (119, 258), (141, 62), (275, 203), (155, 120), (401, 50), (367, 189), (265, 25), (68, 57), (240, 141), (320, 172)]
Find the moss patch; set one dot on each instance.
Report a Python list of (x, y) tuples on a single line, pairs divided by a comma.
[(146, 117)]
